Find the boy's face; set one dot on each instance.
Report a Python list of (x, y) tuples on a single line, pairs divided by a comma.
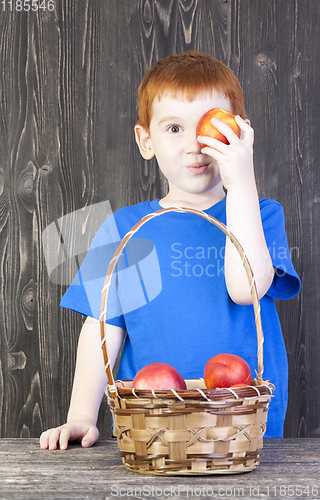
[(172, 139)]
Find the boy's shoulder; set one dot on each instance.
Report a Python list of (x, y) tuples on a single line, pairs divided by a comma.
[(270, 207), (133, 211), (126, 217), (269, 202)]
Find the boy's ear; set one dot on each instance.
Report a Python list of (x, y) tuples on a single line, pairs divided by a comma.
[(144, 142)]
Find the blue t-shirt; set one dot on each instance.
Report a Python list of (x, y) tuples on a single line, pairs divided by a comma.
[(172, 296)]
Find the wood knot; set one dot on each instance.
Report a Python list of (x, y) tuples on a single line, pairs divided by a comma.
[(26, 186), (27, 303), (46, 169), (147, 12), (264, 61), (17, 360)]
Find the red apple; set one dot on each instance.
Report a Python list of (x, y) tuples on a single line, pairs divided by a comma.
[(158, 376), (226, 370), (238, 385), (206, 129)]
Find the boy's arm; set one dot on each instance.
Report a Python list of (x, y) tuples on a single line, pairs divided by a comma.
[(89, 385), (244, 221), (235, 163)]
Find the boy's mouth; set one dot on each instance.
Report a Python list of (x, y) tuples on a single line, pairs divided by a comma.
[(198, 168)]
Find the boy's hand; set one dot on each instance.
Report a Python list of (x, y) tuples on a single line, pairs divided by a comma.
[(235, 160), (85, 432)]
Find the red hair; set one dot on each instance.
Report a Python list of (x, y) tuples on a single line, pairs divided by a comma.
[(188, 74)]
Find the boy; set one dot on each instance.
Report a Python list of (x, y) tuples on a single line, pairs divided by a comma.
[(204, 306)]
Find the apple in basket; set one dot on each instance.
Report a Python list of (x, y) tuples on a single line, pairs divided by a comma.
[(158, 376), (226, 370), (206, 129)]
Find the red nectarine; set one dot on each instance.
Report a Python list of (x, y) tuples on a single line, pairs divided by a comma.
[(158, 376), (206, 129), (226, 370)]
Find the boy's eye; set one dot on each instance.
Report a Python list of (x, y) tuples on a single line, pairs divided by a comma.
[(174, 129)]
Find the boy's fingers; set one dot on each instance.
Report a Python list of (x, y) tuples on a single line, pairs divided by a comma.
[(211, 142), (44, 440), (62, 435), (240, 120), (90, 438), (50, 438), (245, 126), (213, 147), (68, 433), (64, 438), (224, 128)]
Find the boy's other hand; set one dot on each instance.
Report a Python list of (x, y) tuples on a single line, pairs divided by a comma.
[(83, 431)]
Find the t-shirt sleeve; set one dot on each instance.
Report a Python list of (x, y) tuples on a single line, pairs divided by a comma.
[(84, 293), (286, 283)]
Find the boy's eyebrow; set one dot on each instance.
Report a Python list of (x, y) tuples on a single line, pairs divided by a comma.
[(169, 119)]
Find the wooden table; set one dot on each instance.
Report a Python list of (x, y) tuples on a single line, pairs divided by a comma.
[(289, 468)]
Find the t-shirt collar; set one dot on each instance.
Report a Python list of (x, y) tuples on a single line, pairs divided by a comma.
[(214, 210)]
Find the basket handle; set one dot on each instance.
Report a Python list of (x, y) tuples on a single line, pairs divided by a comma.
[(118, 252)]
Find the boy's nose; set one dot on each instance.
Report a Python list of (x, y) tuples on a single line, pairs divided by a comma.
[(192, 145)]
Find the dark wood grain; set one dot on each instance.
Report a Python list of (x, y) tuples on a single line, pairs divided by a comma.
[(289, 468), (273, 81), (68, 83)]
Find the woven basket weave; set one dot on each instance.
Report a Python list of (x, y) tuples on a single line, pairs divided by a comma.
[(196, 430)]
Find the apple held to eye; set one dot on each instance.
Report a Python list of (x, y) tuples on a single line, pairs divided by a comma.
[(226, 370), (206, 129), (158, 376)]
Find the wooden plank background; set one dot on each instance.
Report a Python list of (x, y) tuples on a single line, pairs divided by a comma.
[(68, 82)]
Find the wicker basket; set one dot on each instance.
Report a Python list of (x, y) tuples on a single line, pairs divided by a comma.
[(196, 430)]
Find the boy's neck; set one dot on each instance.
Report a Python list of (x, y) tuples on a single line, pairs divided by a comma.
[(197, 201)]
